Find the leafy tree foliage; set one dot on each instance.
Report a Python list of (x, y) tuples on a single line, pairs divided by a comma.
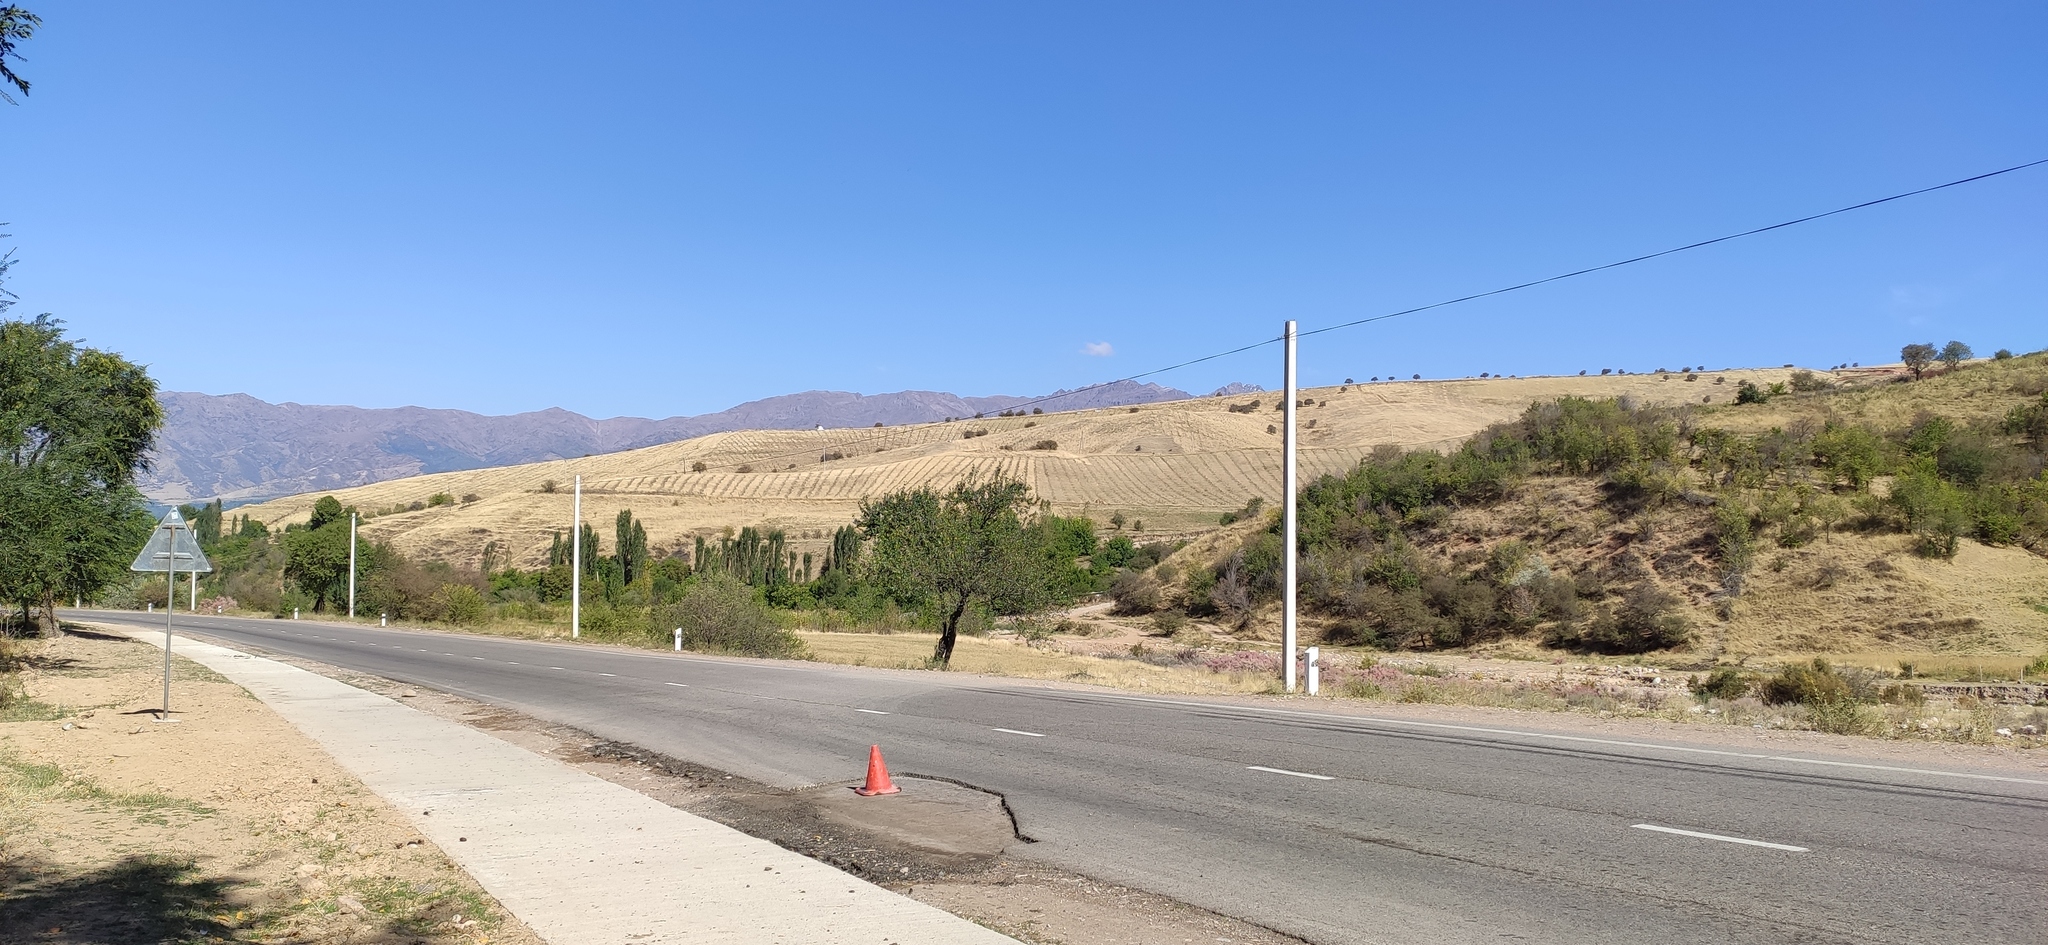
[(317, 555), (75, 427), (16, 24), (971, 545), (1954, 354), (1918, 357)]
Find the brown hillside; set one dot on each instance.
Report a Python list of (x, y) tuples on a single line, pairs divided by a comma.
[(1174, 466)]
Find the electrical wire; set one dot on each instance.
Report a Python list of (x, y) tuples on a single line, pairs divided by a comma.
[(1448, 302)]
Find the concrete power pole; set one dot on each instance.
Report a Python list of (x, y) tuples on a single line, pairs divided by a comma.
[(351, 565), (576, 565), (1289, 487)]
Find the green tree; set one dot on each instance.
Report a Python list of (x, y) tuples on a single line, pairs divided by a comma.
[(16, 24), (1954, 354), (316, 557), (632, 546), (969, 545), (1918, 357), (75, 427)]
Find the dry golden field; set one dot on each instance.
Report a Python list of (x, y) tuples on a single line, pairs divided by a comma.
[(1172, 466)]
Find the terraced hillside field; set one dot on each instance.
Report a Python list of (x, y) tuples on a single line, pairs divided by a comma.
[(1172, 466)]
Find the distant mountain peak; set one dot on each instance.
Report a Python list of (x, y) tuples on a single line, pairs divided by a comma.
[(1235, 388), (242, 449)]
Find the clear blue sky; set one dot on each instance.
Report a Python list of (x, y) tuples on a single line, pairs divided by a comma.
[(665, 208)]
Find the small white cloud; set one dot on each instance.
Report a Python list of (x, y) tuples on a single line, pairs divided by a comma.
[(1097, 349)]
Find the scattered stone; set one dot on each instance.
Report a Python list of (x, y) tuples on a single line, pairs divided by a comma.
[(351, 904)]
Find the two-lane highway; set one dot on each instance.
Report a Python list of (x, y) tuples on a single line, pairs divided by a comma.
[(1333, 827)]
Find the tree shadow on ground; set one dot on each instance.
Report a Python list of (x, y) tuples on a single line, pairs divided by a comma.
[(139, 899)]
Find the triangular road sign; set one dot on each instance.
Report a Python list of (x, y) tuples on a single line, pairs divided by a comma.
[(170, 547)]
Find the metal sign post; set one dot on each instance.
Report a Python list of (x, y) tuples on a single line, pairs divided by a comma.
[(171, 546)]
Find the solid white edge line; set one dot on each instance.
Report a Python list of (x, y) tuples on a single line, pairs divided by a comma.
[(1291, 774), (1016, 732), (872, 711), (1725, 839)]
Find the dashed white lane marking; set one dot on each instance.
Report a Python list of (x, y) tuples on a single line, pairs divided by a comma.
[(512, 662), (678, 685), (558, 667), (1015, 732), (1724, 839), (479, 658), (607, 674), (872, 711), (1291, 774)]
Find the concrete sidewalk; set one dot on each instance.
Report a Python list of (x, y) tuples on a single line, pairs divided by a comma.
[(577, 858)]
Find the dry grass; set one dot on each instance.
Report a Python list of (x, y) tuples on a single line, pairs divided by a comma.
[(1983, 389), (1174, 466)]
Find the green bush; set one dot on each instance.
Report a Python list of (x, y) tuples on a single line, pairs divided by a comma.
[(439, 499), (1806, 684), (1643, 622), (462, 605), (1721, 682), (1838, 716), (719, 614)]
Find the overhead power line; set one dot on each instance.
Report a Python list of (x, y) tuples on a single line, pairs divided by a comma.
[(1454, 301)]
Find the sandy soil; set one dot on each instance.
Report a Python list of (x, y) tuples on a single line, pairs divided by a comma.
[(225, 826)]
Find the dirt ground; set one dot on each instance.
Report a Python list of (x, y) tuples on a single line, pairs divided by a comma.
[(225, 826)]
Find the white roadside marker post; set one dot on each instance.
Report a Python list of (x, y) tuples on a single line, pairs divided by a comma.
[(1315, 670), (1287, 488), (679, 639)]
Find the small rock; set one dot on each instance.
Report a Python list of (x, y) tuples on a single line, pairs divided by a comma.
[(2005, 732), (408, 694), (351, 904), (67, 726)]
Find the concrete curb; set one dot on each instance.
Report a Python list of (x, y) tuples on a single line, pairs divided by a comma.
[(577, 858)]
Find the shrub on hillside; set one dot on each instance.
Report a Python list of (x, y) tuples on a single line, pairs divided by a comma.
[(1721, 682), (1805, 684), (1136, 593), (1644, 621)]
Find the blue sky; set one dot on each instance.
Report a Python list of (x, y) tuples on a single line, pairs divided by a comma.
[(661, 208)]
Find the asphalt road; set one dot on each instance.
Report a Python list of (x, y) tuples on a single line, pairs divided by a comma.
[(1332, 827)]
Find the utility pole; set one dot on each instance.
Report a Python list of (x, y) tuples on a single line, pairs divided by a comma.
[(576, 565), (351, 565), (1287, 534)]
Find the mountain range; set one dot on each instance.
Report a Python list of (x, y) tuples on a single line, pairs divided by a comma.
[(241, 449)]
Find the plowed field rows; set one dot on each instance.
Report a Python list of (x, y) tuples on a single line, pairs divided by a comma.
[(1174, 466)]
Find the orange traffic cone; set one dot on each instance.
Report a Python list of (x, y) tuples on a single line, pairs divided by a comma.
[(878, 776)]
